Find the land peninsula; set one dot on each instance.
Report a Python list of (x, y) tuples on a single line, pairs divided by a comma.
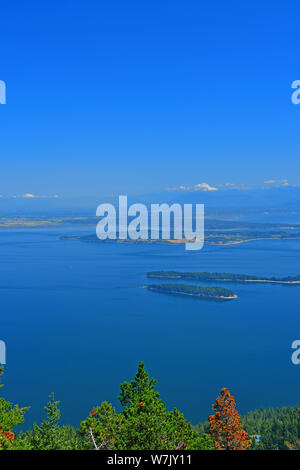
[(212, 237), (213, 293), (222, 277)]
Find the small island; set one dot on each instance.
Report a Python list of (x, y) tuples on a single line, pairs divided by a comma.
[(221, 277), (211, 293)]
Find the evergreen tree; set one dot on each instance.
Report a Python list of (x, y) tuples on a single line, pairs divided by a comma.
[(50, 435), (144, 423), (225, 427)]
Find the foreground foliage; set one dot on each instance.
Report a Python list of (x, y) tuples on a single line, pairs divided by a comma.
[(10, 417), (145, 423), (50, 435)]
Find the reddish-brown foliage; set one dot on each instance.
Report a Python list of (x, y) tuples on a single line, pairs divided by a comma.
[(225, 427), (6, 438)]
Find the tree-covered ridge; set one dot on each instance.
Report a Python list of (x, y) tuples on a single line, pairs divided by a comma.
[(207, 276), (195, 291)]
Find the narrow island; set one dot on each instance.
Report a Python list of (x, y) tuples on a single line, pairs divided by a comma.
[(212, 293), (222, 277)]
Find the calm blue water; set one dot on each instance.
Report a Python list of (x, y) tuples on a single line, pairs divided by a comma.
[(75, 323)]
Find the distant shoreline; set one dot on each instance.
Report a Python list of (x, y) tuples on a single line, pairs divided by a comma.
[(210, 239), (215, 277)]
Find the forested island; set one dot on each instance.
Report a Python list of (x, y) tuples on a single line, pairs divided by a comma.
[(222, 277), (217, 293)]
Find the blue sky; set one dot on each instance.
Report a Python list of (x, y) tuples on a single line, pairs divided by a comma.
[(133, 97)]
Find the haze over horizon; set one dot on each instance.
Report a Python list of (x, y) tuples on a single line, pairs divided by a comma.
[(222, 202)]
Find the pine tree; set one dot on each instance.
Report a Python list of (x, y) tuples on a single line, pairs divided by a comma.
[(144, 424), (50, 435)]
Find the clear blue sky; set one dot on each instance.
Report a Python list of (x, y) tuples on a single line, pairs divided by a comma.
[(135, 96)]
